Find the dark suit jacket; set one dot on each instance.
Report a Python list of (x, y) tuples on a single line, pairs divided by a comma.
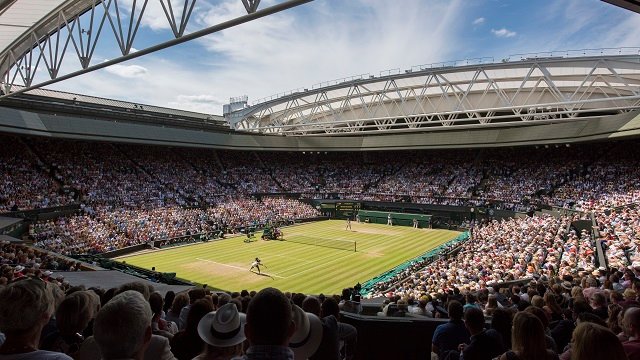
[(483, 346)]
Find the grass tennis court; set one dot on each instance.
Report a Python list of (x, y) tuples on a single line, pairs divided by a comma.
[(296, 267)]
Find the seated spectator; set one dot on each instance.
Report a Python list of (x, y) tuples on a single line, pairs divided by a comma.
[(424, 307), (599, 304), (347, 333), (528, 340), (612, 320), (482, 345), (307, 337), (447, 337), (223, 332), (329, 348), (187, 344), (269, 326), (492, 305), (173, 314), (594, 342), (72, 318), (159, 325), (122, 328), (501, 323), (631, 327), (157, 348), (543, 317), (194, 295), (25, 308)]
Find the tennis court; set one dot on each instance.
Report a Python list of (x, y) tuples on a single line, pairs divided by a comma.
[(297, 266)]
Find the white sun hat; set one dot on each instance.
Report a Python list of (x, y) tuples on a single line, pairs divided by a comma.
[(223, 328), (306, 339)]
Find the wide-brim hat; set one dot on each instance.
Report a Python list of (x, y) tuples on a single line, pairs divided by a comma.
[(47, 273), (308, 335), (223, 328), (18, 268), (567, 285)]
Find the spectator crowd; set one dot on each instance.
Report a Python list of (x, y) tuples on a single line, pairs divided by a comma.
[(41, 173)]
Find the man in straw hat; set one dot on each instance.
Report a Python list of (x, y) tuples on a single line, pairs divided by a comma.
[(308, 335), (223, 331)]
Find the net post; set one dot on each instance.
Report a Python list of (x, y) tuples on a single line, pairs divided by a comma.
[(355, 248)]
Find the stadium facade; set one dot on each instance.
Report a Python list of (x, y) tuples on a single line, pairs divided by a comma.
[(545, 98)]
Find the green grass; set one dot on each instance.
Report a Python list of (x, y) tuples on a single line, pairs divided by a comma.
[(297, 267)]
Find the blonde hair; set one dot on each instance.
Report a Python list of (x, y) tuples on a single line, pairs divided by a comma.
[(537, 301), (593, 341)]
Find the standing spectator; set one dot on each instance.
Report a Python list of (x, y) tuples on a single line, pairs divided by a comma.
[(25, 308), (447, 337)]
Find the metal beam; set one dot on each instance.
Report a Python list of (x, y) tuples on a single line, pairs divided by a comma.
[(210, 30)]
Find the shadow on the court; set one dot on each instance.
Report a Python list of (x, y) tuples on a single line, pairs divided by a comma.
[(262, 274)]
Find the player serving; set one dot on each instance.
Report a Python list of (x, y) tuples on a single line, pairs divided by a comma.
[(256, 265)]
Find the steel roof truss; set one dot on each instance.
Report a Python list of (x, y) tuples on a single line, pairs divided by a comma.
[(187, 8), (85, 44), (53, 54), (251, 5), (124, 42)]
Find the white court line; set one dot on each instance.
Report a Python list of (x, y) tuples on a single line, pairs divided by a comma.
[(237, 267)]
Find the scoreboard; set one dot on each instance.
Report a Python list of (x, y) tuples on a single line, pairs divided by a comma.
[(346, 209)]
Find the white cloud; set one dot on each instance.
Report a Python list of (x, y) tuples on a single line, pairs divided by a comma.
[(503, 33), (200, 103), (478, 21), (293, 49), (127, 71)]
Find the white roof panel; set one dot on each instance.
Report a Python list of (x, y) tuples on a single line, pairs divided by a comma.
[(20, 15)]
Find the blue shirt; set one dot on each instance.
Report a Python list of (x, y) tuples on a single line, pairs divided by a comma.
[(448, 336)]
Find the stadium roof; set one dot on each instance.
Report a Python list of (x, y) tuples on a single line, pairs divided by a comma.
[(633, 5), (37, 34), (520, 91), (17, 17)]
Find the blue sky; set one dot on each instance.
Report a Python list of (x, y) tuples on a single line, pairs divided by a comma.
[(331, 39)]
